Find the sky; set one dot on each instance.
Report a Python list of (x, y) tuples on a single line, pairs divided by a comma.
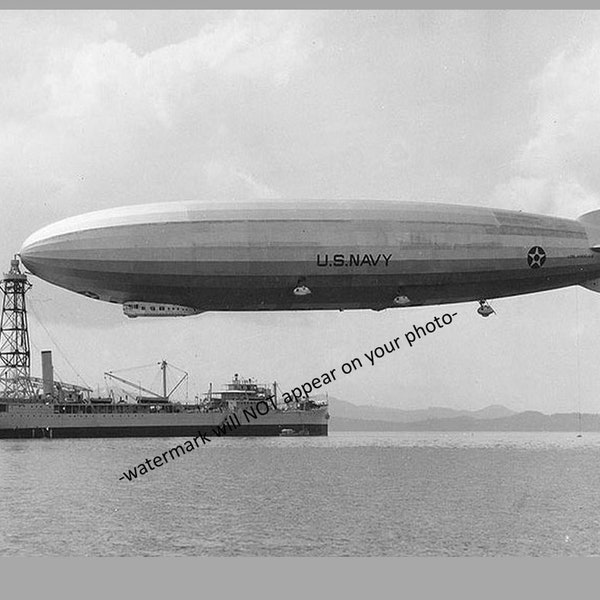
[(101, 109)]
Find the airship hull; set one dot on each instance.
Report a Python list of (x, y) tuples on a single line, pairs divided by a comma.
[(309, 255)]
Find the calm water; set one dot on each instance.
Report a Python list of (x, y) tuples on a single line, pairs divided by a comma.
[(456, 494)]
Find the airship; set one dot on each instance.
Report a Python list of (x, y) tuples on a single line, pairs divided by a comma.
[(185, 258)]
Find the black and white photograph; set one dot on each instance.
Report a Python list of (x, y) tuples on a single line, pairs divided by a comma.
[(305, 283)]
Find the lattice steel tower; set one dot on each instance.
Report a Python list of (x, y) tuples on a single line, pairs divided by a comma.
[(15, 379)]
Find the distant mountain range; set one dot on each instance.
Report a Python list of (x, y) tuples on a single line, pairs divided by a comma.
[(346, 416), (347, 410)]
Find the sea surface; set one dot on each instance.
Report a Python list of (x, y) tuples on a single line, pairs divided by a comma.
[(349, 494)]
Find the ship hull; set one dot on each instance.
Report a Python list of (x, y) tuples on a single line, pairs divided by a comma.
[(33, 420), (271, 430)]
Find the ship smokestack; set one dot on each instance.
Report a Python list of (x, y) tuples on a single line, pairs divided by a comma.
[(47, 373)]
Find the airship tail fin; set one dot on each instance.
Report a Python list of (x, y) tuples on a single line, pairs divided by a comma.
[(591, 222)]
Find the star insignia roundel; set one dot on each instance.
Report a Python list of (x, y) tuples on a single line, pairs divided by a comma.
[(536, 257)]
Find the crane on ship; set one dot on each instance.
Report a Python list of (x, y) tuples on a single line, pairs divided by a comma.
[(153, 397)]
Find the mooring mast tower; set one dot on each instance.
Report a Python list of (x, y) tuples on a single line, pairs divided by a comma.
[(15, 357)]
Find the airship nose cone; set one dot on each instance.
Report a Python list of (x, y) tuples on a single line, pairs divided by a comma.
[(31, 250), (51, 253), (96, 254), (42, 248)]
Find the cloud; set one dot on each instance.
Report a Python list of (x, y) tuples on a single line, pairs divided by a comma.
[(235, 183), (174, 78), (545, 195), (94, 119), (557, 170)]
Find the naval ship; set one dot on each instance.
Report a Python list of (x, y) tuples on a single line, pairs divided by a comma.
[(242, 408), (33, 407)]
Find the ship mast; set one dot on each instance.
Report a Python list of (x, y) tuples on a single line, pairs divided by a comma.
[(166, 394), (15, 357)]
